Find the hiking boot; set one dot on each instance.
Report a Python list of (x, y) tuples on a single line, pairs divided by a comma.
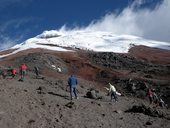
[(76, 97)]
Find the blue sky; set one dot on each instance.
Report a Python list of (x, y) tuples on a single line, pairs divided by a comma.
[(23, 19)]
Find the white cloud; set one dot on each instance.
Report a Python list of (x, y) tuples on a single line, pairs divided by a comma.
[(7, 39), (7, 42), (151, 24), (14, 24)]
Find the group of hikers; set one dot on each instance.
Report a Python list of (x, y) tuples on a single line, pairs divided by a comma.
[(13, 72), (154, 99), (72, 84), (151, 94), (22, 71)]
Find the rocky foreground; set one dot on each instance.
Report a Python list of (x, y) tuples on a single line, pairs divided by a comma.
[(44, 103)]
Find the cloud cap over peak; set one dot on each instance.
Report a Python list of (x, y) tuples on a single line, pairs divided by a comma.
[(151, 24)]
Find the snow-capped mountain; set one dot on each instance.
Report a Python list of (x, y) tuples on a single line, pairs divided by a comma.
[(96, 41)]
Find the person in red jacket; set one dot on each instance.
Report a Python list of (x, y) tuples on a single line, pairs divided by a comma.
[(14, 72), (23, 69), (150, 95)]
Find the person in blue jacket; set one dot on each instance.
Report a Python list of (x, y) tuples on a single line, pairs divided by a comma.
[(72, 82)]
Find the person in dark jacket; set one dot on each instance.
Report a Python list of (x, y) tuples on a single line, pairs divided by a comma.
[(72, 82), (36, 70)]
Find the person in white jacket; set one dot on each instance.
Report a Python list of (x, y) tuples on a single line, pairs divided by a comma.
[(112, 92)]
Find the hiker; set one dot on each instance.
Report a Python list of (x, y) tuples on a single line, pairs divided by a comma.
[(162, 103), (150, 95), (14, 72), (72, 82), (36, 70), (155, 98), (3, 74), (112, 92), (23, 69)]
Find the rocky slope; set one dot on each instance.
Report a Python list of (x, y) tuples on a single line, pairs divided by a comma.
[(45, 103)]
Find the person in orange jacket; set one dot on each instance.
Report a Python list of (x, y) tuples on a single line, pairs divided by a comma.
[(23, 69)]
